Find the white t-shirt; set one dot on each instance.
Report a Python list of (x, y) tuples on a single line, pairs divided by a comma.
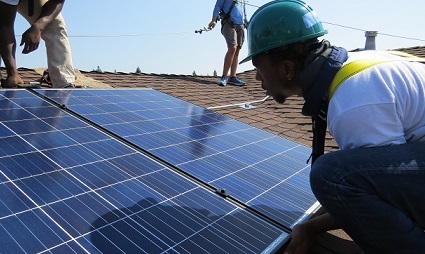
[(379, 106), (11, 2)]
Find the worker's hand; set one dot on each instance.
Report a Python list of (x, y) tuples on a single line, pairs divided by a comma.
[(300, 241), (30, 39), (11, 81), (212, 24)]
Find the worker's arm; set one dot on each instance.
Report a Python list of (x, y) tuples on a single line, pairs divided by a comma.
[(31, 37), (304, 233)]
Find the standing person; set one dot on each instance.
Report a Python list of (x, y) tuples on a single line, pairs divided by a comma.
[(233, 22), (46, 23), (373, 105)]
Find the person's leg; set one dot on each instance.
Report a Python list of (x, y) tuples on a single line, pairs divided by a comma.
[(228, 59), (229, 34), (376, 195), (59, 58), (233, 80), (240, 36), (8, 44), (235, 62)]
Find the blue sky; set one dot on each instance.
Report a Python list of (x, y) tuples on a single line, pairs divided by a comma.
[(158, 36)]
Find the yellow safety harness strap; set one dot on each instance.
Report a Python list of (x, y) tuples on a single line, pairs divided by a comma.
[(352, 68)]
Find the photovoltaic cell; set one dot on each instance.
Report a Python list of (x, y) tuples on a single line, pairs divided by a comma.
[(251, 165), (67, 186)]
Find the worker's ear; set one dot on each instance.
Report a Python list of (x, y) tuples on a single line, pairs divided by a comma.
[(287, 69)]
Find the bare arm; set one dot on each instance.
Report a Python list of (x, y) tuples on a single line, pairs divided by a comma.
[(213, 22), (218, 5), (31, 37), (304, 233), (322, 223)]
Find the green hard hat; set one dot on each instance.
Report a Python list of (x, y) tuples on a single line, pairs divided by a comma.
[(279, 23)]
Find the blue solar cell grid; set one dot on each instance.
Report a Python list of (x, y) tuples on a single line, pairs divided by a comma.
[(252, 165), (68, 187)]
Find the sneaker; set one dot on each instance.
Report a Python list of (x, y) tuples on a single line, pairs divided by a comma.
[(222, 81), (235, 81)]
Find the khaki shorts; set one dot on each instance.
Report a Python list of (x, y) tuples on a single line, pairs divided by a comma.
[(234, 34)]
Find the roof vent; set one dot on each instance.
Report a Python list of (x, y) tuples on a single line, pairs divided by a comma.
[(370, 40)]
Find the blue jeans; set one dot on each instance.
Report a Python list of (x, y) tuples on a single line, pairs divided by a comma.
[(377, 195)]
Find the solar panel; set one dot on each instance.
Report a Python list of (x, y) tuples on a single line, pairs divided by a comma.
[(69, 186), (263, 171)]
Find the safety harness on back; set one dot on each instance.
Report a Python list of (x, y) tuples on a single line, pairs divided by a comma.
[(352, 68), (345, 72), (30, 7), (225, 16)]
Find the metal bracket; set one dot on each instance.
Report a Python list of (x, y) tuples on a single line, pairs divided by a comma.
[(222, 192)]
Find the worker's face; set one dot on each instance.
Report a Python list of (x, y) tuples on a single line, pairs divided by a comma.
[(278, 79)]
